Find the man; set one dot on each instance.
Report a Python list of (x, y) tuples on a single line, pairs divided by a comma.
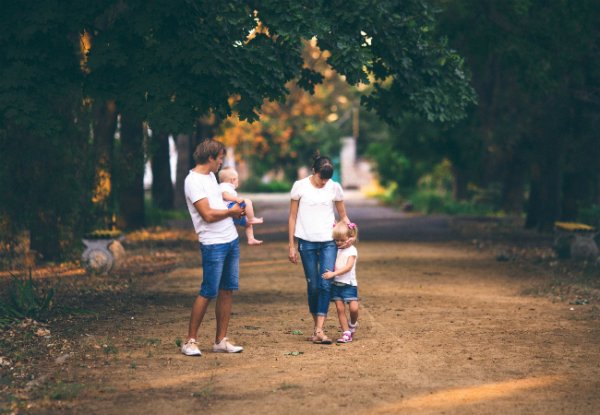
[(219, 245)]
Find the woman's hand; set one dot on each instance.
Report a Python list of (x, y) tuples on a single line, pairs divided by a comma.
[(293, 255), (348, 243)]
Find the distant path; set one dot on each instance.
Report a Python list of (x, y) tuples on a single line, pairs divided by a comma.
[(376, 222)]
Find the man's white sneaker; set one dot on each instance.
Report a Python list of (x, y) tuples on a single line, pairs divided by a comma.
[(225, 347), (190, 348)]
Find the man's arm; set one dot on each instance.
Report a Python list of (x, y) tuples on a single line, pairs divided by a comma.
[(214, 215), (231, 198)]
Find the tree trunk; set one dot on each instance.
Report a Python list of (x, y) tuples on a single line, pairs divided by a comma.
[(545, 195), (130, 193), (184, 164), (105, 124), (513, 186), (162, 186), (461, 180), (104, 121)]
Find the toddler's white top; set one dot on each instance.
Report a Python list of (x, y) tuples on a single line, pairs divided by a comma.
[(197, 187), (229, 188), (340, 262), (316, 215)]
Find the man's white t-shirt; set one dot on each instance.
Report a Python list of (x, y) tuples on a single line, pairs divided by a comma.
[(340, 262), (316, 215), (199, 186)]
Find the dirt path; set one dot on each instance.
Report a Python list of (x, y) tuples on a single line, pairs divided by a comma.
[(444, 329)]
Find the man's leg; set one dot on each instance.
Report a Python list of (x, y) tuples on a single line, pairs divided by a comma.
[(228, 284), (198, 311), (223, 313)]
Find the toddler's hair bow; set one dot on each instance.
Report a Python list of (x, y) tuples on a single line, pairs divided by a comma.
[(352, 225)]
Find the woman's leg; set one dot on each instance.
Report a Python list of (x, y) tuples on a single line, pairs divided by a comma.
[(309, 255), (327, 254)]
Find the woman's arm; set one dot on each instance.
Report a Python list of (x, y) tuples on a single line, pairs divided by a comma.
[(341, 208), (346, 268), (214, 215), (292, 255)]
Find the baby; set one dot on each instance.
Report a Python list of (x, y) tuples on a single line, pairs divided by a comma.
[(228, 179)]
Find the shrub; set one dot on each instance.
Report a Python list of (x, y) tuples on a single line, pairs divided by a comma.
[(590, 216), (25, 300)]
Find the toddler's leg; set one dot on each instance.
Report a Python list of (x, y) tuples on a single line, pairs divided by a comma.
[(250, 213), (353, 306), (341, 310), (250, 236)]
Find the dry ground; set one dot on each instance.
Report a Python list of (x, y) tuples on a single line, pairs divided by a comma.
[(445, 328)]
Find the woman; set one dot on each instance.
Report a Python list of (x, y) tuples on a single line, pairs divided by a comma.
[(311, 219)]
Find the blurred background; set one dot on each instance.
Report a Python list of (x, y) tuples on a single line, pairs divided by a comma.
[(461, 107)]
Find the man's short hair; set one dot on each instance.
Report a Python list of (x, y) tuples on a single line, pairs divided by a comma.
[(208, 148)]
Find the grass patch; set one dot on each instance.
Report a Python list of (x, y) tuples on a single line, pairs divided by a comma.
[(63, 391), (25, 299)]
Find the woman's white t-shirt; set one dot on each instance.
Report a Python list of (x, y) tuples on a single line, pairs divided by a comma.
[(340, 262), (199, 186), (316, 215)]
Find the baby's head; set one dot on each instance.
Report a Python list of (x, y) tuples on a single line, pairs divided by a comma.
[(342, 232), (228, 175)]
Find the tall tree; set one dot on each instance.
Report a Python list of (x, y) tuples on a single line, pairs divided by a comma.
[(43, 125), (535, 68), (162, 185), (169, 63)]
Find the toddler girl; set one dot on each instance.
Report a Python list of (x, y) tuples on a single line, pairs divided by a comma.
[(344, 288)]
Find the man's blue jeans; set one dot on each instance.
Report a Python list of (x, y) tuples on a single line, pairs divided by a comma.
[(317, 257), (220, 268)]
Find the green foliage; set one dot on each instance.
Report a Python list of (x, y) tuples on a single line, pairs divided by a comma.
[(436, 201), (534, 64), (169, 63), (25, 299), (590, 216), (256, 185), (159, 217), (64, 391)]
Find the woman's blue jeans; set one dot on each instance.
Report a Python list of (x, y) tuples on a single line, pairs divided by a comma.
[(317, 257)]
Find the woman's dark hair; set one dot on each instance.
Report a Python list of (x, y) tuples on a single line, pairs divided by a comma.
[(323, 166)]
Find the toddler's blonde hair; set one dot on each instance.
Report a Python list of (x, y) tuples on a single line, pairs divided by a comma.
[(227, 173), (343, 230)]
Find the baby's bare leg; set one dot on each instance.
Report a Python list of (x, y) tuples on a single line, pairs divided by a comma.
[(250, 217), (250, 236)]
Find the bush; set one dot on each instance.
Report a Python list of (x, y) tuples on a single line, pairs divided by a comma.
[(433, 201), (255, 185), (590, 216), (25, 300), (158, 217)]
